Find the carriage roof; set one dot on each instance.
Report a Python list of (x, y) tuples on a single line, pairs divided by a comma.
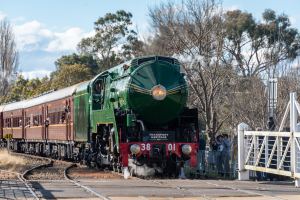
[(45, 98), (12, 106)]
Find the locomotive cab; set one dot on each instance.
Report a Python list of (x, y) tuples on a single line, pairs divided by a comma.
[(98, 93)]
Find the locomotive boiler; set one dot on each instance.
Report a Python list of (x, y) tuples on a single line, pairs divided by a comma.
[(134, 114)]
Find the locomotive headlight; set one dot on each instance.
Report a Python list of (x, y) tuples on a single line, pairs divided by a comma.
[(135, 149), (186, 149), (159, 92)]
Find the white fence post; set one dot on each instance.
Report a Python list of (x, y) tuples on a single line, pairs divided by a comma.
[(243, 173), (296, 150), (293, 129)]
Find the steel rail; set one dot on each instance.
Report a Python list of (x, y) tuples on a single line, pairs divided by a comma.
[(67, 177), (23, 176), (24, 181)]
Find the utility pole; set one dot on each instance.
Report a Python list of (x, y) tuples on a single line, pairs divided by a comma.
[(272, 99)]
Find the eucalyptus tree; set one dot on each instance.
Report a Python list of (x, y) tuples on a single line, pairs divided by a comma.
[(70, 74), (259, 46), (80, 59), (256, 49), (114, 41)]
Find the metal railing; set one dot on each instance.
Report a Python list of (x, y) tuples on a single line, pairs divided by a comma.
[(270, 151)]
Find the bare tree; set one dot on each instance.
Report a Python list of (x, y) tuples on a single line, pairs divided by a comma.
[(8, 56), (193, 32), (225, 56), (287, 83), (249, 102)]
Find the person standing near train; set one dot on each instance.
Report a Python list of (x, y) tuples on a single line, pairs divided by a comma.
[(219, 141), (226, 155), (201, 153)]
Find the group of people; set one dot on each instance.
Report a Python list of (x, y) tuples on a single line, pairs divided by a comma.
[(218, 157)]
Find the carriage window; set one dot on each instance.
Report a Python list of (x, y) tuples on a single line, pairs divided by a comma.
[(36, 120), (7, 122), (57, 117), (27, 121), (17, 121), (51, 117), (41, 119), (62, 117), (98, 87), (98, 94)]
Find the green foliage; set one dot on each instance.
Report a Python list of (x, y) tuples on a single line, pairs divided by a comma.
[(25, 89), (114, 40), (269, 15), (82, 59), (258, 46), (279, 33), (68, 75), (238, 22)]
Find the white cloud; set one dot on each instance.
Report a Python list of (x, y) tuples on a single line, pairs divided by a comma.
[(30, 35), (2, 15), (231, 8), (33, 35), (89, 34), (66, 41), (36, 74), (293, 20)]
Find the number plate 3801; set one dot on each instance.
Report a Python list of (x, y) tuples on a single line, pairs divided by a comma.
[(147, 147)]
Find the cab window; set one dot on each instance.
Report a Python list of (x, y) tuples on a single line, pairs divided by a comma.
[(98, 94)]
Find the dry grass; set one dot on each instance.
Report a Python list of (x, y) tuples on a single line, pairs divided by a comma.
[(11, 162)]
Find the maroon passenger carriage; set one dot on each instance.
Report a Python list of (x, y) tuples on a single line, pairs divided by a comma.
[(40, 125)]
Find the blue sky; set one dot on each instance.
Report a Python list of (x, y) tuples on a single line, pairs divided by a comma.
[(47, 29)]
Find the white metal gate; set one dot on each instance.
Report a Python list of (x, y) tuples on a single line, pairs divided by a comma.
[(272, 152)]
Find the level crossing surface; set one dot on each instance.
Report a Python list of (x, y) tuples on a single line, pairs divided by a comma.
[(158, 189)]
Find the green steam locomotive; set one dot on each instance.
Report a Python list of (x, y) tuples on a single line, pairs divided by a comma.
[(132, 115)]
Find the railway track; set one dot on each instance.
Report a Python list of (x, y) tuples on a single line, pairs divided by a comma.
[(83, 181), (86, 188), (23, 176), (22, 179), (41, 171)]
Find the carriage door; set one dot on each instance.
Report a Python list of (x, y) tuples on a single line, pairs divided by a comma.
[(42, 121), (66, 117), (11, 124), (22, 123), (69, 118), (46, 122), (1, 125)]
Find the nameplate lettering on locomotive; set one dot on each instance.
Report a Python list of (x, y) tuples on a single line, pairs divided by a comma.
[(159, 136)]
